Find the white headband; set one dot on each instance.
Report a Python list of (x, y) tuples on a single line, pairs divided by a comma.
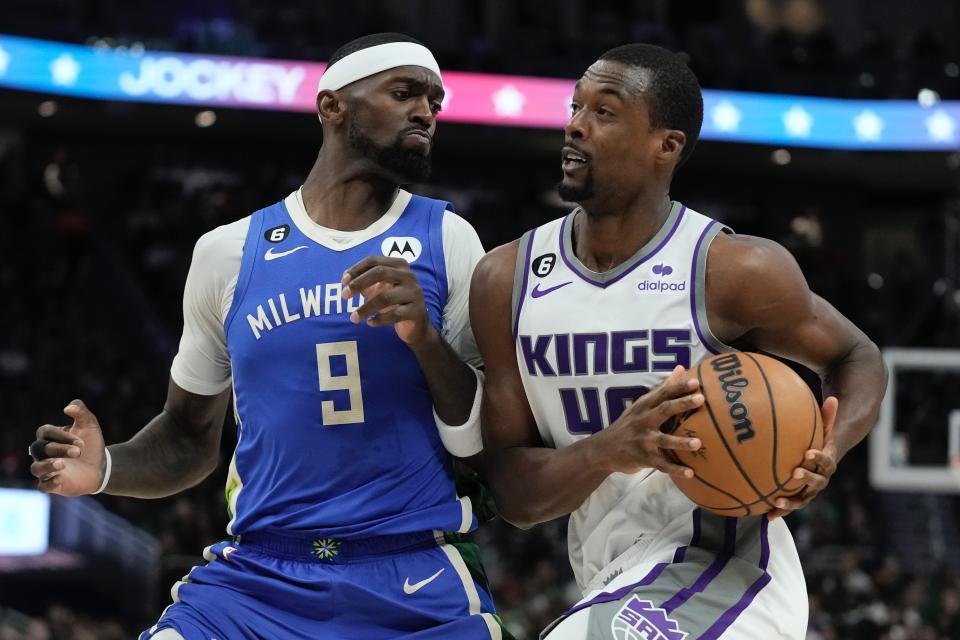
[(366, 62)]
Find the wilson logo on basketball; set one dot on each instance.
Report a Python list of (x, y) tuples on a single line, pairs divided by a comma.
[(733, 384)]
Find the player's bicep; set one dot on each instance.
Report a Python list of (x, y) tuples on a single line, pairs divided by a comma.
[(507, 419), (199, 413), (194, 421), (782, 315), (815, 335)]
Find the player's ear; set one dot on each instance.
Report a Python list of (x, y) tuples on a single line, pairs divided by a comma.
[(331, 106), (671, 146)]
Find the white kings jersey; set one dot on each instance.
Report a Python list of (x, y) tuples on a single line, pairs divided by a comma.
[(588, 344)]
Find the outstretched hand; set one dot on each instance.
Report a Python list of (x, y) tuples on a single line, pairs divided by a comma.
[(70, 460)]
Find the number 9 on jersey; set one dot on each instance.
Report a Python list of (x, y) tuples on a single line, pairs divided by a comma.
[(346, 353)]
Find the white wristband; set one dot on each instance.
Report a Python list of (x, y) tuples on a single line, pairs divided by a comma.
[(465, 440), (106, 474)]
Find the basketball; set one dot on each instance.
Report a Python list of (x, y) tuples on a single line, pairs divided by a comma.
[(757, 421)]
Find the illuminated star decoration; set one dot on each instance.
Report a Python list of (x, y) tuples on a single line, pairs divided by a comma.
[(64, 70), (797, 121), (447, 97), (726, 117), (941, 127), (326, 548), (868, 125), (508, 101), (4, 61)]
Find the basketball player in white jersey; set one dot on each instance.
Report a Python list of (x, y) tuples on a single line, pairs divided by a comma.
[(584, 325)]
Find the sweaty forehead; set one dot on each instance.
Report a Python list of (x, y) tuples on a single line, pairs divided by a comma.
[(611, 74)]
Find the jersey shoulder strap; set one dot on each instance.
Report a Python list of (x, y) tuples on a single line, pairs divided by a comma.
[(265, 217), (534, 240)]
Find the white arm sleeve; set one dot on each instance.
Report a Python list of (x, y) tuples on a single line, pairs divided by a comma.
[(462, 251), (202, 365)]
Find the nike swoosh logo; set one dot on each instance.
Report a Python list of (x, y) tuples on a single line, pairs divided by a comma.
[(410, 589), (270, 255), (538, 292)]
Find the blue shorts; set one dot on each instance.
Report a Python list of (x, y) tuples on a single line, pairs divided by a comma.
[(412, 586)]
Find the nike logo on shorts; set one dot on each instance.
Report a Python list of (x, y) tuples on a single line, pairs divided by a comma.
[(270, 255), (538, 292), (411, 589)]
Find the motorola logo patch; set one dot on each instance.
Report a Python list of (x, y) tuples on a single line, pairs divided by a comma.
[(405, 247)]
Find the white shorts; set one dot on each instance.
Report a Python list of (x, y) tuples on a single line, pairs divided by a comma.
[(736, 579)]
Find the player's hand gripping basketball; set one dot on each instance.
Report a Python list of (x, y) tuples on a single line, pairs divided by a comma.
[(818, 467), (392, 295), (70, 460), (634, 441)]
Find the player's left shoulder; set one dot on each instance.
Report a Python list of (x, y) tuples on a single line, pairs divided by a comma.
[(457, 226), (218, 252), (461, 244), (750, 280), (738, 258)]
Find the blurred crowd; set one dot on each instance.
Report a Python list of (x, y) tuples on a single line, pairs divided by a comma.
[(96, 314), (882, 48)]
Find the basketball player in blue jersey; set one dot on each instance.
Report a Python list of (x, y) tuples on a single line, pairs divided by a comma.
[(339, 318), (585, 324)]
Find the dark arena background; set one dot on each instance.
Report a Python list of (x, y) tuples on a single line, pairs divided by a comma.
[(129, 128)]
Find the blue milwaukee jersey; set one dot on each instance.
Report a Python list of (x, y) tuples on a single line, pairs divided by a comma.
[(336, 433)]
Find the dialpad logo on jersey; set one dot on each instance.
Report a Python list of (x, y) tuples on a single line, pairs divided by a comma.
[(401, 247), (277, 234), (661, 285), (543, 265), (640, 620)]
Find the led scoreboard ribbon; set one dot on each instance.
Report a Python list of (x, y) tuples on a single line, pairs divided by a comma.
[(256, 83)]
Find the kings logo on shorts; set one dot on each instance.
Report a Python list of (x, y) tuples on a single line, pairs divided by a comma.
[(640, 620)]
